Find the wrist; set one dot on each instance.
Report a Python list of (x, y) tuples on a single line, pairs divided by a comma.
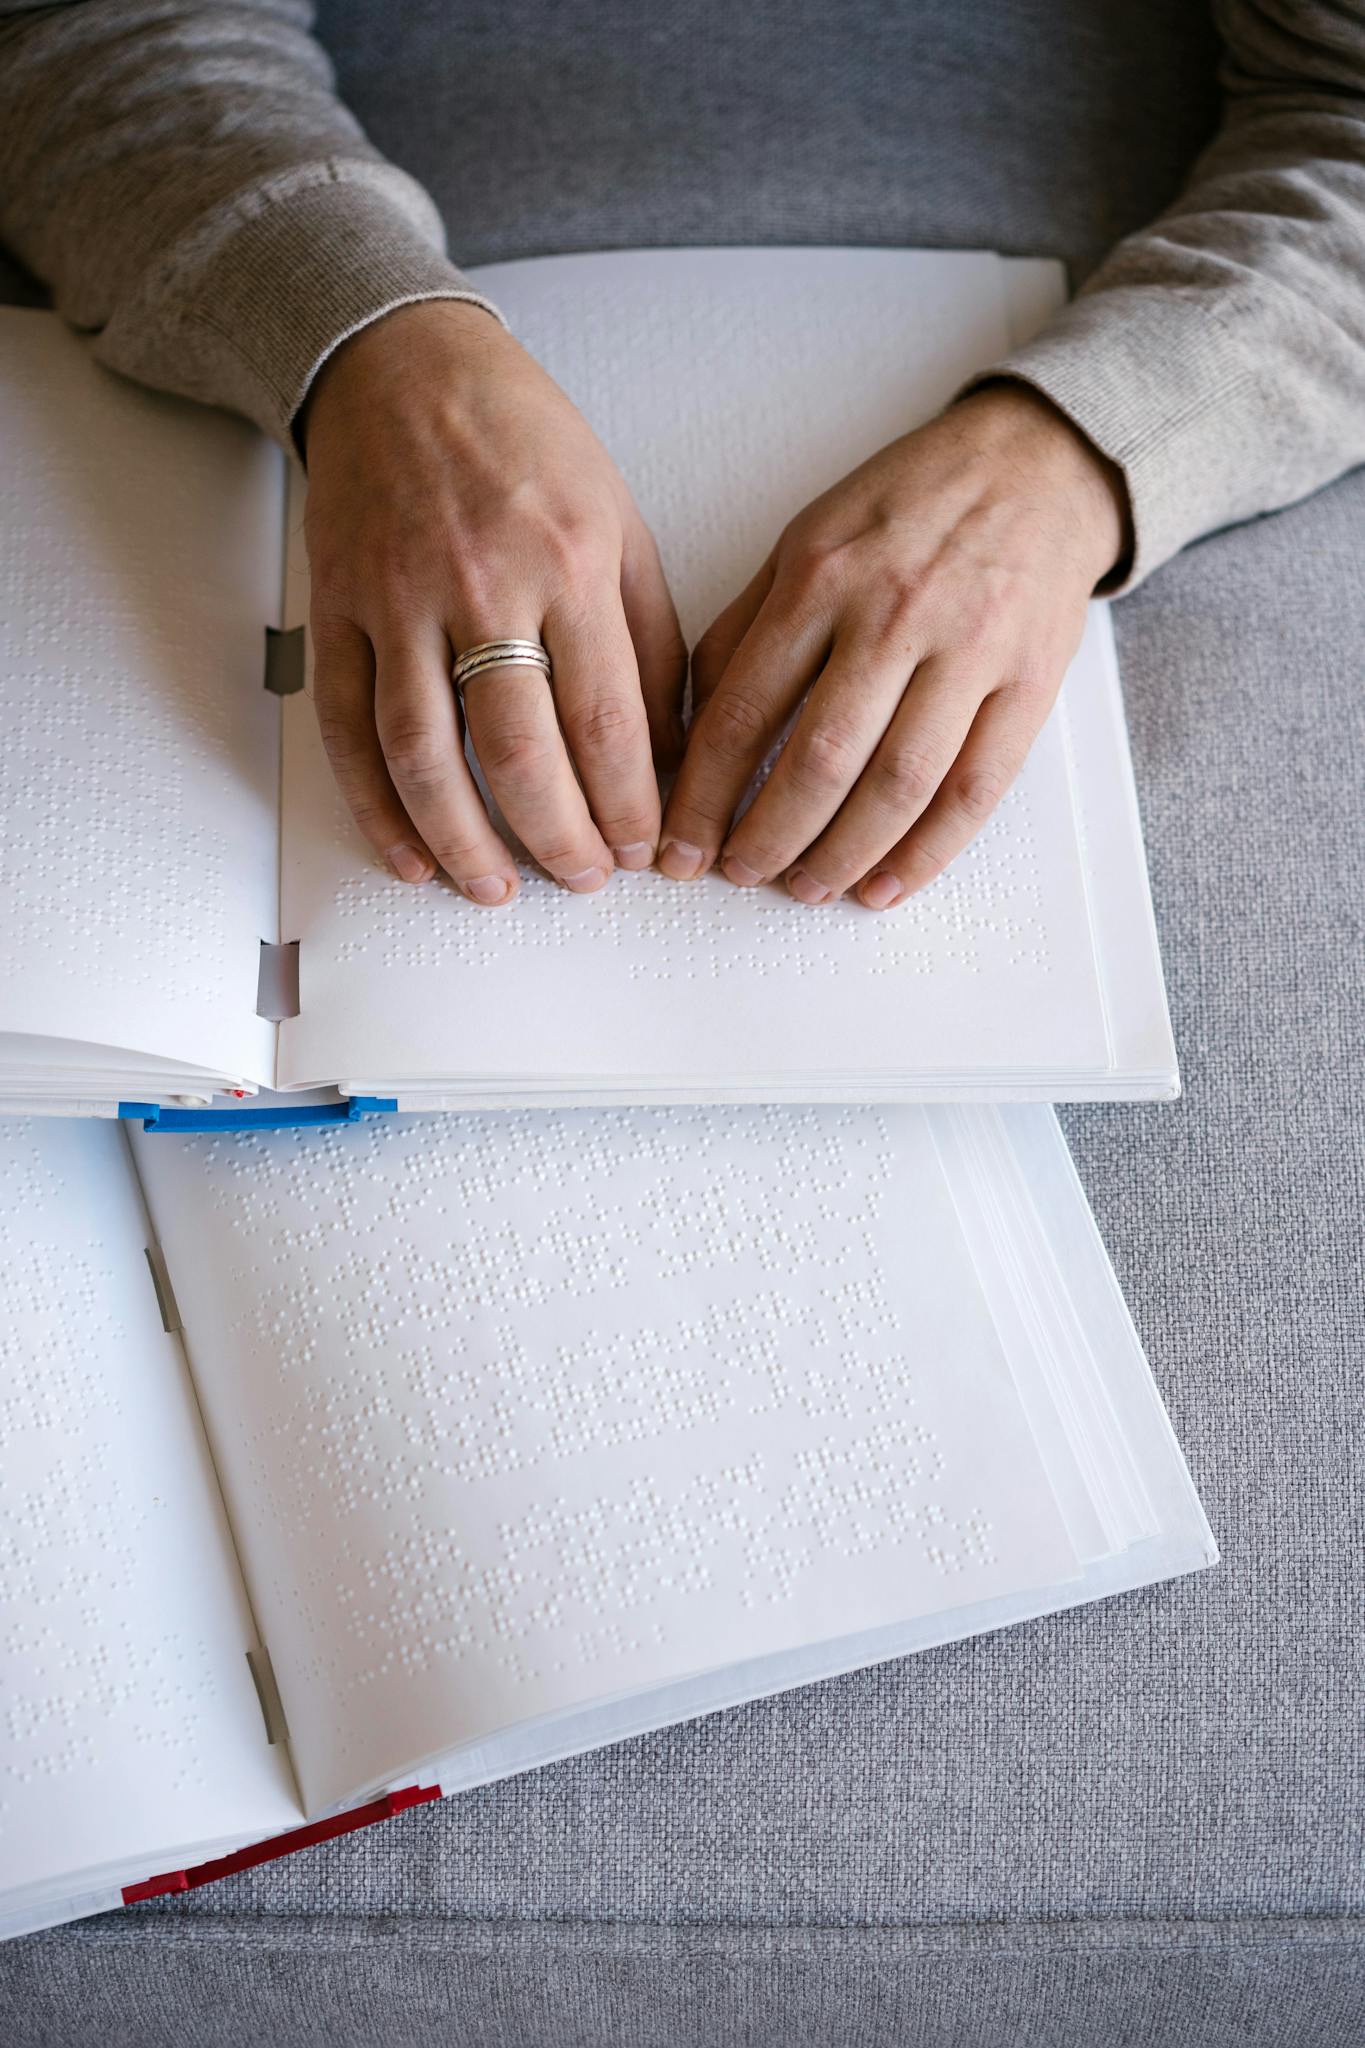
[(1021, 425), (391, 347)]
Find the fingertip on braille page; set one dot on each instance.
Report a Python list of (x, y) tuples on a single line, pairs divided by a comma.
[(806, 889), (680, 861), (410, 864), (881, 890), (739, 872), (990, 911), (638, 854), (585, 881), (489, 889)]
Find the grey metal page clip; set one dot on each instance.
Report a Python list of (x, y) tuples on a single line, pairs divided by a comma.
[(268, 1693), (284, 660), (277, 983), (165, 1293)]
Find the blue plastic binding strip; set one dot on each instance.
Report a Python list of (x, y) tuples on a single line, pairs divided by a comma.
[(156, 1118)]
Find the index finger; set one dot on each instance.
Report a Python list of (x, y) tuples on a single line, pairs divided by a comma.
[(731, 737)]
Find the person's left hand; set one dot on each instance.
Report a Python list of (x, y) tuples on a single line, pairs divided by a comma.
[(929, 604)]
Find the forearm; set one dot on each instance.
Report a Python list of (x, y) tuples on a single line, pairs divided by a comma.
[(1218, 358), (187, 182)]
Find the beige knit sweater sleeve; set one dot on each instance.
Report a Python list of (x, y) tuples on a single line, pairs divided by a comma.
[(1218, 357), (185, 179)]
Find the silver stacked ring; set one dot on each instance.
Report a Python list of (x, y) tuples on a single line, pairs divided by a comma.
[(499, 654)]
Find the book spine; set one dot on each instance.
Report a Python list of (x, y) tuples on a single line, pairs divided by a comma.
[(281, 1845)]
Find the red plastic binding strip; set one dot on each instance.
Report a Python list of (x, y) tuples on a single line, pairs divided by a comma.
[(281, 1845)]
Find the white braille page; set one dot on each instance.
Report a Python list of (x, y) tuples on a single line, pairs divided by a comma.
[(131, 1729), (732, 386), (514, 1412), (139, 774)]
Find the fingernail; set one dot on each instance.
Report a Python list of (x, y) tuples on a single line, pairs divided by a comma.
[(487, 889), (639, 854), (739, 872), (586, 880), (679, 860), (806, 889), (408, 864), (881, 890)]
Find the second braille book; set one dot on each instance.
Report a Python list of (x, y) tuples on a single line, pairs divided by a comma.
[(339, 1470)]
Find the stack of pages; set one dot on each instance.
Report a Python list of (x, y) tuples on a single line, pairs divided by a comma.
[(169, 826), (443, 1446)]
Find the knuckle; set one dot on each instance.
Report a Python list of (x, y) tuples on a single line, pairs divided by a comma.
[(329, 621), (699, 814), (903, 779), (810, 568), (577, 552), (977, 791), (735, 727), (613, 727), (919, 863), (840, 861), (384, 562), (765, 855), (493, 575), (343, 738), (393, 584), (332, 580), (628, 830), (1032, 683), (514, 753), (477, 593), (826, 759), (371, 818), (562, 855), (458, 853), (903, 589), (416, 753), (981, 629)]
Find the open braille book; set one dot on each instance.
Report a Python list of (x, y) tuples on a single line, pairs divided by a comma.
[(342, 1469), (185, 908)]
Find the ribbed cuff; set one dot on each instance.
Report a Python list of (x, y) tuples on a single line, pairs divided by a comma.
[(1149, 375), (310, 263)]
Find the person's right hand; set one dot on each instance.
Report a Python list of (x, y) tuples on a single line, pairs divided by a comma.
[(455, 495)]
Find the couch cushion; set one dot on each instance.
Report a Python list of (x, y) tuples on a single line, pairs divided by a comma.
[(427, 1982)]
